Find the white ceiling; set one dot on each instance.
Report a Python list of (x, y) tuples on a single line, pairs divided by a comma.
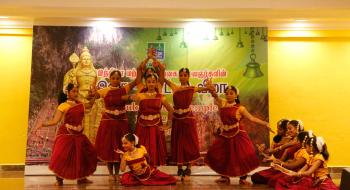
[(276, 14)]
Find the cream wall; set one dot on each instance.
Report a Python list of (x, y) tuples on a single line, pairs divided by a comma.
[(307, 80), (15, 59)]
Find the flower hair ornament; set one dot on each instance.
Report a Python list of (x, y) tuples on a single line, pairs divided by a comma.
[(319, 143), (136, 139), (281, 120), (64, 90), (309, 135), (301, 125), (311, 144)]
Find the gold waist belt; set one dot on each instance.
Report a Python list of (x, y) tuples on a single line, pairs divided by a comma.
[(229, 127), (150, 117), (181, 111), (115, 112), (74, 128)]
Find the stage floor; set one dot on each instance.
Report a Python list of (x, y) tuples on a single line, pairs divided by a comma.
[(16, 180), (102, 183)]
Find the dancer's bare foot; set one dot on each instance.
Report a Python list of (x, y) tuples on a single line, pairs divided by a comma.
[(116, 177), (84, 181), (223, 179), (186, 178), (58, 183), (244, 182), (186, 175)]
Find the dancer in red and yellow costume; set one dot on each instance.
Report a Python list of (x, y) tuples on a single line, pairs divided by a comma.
[(184, 136), (141, 173), (149, 125), (73, 156), (232, 153), (114, 123)]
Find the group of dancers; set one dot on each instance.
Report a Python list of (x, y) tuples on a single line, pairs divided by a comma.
[(232, 154), (298, 160)]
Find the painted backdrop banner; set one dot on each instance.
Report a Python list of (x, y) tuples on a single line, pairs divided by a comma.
[(230, 56)]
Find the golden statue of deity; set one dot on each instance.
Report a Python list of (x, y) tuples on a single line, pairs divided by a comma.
[(85, 76)]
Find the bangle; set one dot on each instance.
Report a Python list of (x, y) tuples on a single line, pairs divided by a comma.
[(299, 174)]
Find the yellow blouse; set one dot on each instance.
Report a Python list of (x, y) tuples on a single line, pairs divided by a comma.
[(302, 153), (322, 170), (138, 154), (63, 107)]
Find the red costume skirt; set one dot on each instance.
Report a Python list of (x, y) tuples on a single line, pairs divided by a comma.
[(233, 156), (154, 141), (153, 177), (268, 176), (305, 183), (73, 157), (184, 141), (108, 138)]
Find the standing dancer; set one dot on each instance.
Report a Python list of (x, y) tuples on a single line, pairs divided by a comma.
[(141, 173), (184, 136), (232, 153), (114, 122), (73, 156), (149, 125)]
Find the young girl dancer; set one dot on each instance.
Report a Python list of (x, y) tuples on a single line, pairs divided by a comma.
[(114, 122), (184, 137), (294, 127), (232, 153), (314, 175), (279, 139), (149, 125), (141, 173), (73, 156)]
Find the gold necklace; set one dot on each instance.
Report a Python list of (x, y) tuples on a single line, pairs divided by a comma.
[(230, 104), (71, 101), (133, 152), (151, 93), (114, 87)]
